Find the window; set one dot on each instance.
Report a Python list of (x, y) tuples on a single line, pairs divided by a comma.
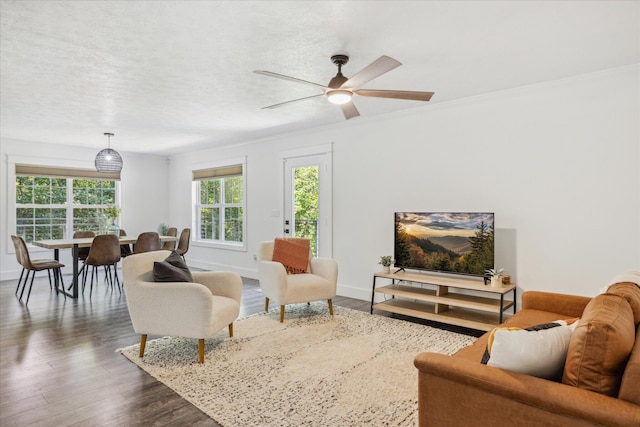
[(53, 207), (89, 197), (220, 205), (40, 211)]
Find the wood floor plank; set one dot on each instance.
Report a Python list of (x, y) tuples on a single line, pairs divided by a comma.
[(17, 406)]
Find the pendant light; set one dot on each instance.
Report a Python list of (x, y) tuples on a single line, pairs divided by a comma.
[(108, 160)]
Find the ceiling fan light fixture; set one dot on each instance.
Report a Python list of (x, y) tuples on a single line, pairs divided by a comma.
[(341, 89), (339, 96), (108, 160)]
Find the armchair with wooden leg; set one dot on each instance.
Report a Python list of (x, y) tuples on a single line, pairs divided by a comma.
[(197, 309), (312, 279)]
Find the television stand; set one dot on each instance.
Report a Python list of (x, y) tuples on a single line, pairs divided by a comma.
[(431, 299)]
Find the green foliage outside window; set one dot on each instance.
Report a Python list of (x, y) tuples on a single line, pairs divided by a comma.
[(233, 190), (94, 192), (42, 204), (233, 224), (87, 219), (40, 223), (41, 191), (306, 204), (209, 220), (210, 192), (221, 213)]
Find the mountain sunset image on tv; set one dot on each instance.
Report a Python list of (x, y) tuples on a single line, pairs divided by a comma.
[(449, 242)]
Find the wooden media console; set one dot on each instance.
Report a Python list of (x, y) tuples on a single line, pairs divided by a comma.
[(432, 300)]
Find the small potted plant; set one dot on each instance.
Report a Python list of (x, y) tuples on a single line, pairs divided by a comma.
[(163, 229), (385, 262), (112, 213), (495, 275)]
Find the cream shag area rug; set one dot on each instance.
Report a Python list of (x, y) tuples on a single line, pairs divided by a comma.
[(355, 369)]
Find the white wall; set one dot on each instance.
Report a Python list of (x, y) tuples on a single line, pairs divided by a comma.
[(144, 194), (558, 164)]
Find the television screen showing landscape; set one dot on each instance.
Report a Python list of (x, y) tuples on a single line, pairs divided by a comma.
[(452, 242)]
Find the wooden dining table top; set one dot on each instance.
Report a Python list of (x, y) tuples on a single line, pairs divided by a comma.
[(85, 242)]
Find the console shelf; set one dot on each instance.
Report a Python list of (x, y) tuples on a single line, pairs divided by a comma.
[(438, 304)]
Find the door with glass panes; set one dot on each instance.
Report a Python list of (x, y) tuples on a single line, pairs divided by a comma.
[(307, 196)]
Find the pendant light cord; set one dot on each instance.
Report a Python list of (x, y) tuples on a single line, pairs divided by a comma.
[(109, 135)]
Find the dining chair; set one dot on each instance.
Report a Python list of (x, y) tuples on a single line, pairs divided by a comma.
[(33, 266), (83, 252), (169, 246), (183, 243), (19, 257), (125, 249), (105, 252), (147, 242), (16, 246)]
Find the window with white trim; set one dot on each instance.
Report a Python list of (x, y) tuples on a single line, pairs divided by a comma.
[(53, 203), (219, 205)]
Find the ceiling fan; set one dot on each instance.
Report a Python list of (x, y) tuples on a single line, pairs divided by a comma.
[(341, 89)]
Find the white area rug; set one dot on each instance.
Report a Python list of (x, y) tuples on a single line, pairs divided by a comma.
[(355, 369)]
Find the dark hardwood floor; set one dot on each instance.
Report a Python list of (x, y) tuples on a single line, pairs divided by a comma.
[(59, 365)]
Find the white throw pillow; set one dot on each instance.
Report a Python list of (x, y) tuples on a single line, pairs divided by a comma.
[(541, 353)]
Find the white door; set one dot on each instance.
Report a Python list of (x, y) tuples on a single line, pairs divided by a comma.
[(307, 201)]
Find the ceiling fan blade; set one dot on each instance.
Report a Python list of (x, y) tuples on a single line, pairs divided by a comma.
[(293, 79), (293, 100), (396, 94), (371, 71), (349, 110)]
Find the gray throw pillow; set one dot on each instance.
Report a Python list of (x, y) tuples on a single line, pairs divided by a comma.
[(172, 269)]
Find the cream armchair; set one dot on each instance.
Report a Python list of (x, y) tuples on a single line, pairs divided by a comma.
[(193, 310), (278, 286)]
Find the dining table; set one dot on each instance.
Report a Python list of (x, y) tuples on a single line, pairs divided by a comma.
[(83, 242)]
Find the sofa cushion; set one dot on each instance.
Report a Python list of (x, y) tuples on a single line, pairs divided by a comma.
[(171, 269), (293, 254), (630, 292), (538, 350), (600, 345), (629, 387)]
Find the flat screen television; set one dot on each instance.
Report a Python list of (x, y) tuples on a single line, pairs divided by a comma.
[(446, 242)]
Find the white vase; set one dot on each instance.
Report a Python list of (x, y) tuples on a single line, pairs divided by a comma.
[(386, 269), (496, 282)]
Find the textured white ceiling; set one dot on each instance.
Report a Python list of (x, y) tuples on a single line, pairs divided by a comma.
[(165, 76)]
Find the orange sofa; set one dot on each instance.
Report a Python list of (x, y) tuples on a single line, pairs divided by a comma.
[(600, 383)]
